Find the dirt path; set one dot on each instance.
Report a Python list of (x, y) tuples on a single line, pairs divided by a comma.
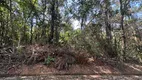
[(75, 77)]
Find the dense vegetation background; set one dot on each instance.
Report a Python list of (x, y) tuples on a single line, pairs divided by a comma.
[(110, 28)]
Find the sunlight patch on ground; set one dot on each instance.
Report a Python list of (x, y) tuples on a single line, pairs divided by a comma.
[(135, 67)]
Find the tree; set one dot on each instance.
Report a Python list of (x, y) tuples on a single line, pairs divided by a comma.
[(55, 20), (107, 26), (52, 22), (123, 9)]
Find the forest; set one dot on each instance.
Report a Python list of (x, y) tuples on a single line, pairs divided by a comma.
[(70, 37)]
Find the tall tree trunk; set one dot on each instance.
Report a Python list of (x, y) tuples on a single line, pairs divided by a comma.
[(52, 22), (122, 27), (7, 30), (57, 22), (109, 47), (31, 41), (82, 15), (24, 26), (82, 23), (57, 34), (1, 29), (43, 35), (108, 26), (12, 34), (25, 37)]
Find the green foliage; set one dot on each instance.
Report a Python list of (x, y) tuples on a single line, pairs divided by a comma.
[(87, 40), (64, 37), (48, 60)]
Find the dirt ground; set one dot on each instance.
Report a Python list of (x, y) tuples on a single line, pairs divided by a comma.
[(99, 69), (75, 77), (92, 69)]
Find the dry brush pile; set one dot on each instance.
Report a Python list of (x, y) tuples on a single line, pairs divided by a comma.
[(60, 58)]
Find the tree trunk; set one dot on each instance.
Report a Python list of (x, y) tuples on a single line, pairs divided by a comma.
[(1, 29), (25, 38), (31, 41), (108, 26), (109, 47), (52, 22), (43, 35), (57, 22), (122, 27), (82, 23), (12, 34), (24, 26)]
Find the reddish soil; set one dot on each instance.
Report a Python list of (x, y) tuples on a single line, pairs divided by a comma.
[(39, 69), (97, 66)]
